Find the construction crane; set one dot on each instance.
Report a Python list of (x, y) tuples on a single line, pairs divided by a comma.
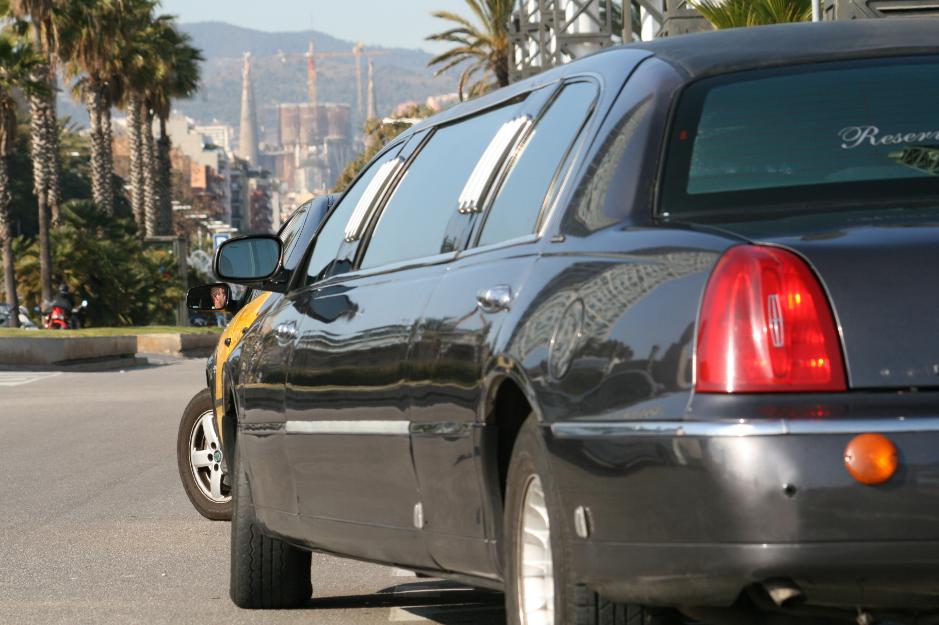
[(311, 55)]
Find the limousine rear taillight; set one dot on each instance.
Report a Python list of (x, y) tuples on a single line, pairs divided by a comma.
[(766, 326)]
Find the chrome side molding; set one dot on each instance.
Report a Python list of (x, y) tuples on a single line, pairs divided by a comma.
[(375, 428)]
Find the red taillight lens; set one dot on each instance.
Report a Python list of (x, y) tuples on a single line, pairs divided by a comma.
[(766, 326)]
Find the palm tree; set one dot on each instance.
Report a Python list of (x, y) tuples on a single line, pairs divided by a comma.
[(90, 36), (19, 66), (737, 13), (483, 48), (44, 128), (179, 78), (140, 73)]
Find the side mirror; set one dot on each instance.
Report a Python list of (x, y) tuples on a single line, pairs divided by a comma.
[(248, 259), (208, 297)]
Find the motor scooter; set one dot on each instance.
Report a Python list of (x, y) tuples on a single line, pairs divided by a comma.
[(58, 317)]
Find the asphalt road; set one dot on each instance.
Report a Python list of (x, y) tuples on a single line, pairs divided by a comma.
[(95, 527)]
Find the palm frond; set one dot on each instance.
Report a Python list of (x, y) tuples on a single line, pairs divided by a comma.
[(740, 13), (484, 46)]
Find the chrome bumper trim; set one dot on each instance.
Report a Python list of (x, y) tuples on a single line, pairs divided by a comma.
[(735, 429)]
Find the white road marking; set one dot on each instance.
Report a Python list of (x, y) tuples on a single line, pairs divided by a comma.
[(402, 573), (14, 378)]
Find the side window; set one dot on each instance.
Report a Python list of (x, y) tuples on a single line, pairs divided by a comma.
[(290, 233), (332, 234), (415, 219), (516, 208)]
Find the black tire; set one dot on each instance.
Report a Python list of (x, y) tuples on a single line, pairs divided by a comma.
[(214, 509), (266, 572), (574, 604)]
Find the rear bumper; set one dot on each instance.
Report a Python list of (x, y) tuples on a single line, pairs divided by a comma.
[(887, 575), (693, 512)]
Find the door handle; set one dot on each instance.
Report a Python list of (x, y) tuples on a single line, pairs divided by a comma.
[(286, 331), (495, 298)]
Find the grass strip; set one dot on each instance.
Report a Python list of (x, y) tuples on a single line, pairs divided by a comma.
[(118, 331)]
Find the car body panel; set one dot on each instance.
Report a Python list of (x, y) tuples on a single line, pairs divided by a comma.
[(236, 328), (348, 403), (313, 215), (784, 496), (872, 273)]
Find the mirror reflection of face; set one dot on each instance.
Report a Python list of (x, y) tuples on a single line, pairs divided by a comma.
[(219, 297)]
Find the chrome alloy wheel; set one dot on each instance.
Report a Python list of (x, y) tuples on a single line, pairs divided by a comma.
[(536, 588), (205, 459)]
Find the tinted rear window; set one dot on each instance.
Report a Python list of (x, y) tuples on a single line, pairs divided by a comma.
[(802, 138)]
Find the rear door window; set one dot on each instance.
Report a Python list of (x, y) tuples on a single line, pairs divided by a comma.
[(414, 221), (516, 208), (841, 133)]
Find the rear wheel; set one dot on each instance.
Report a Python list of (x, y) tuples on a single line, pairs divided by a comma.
[(540, 589), (266, 572)]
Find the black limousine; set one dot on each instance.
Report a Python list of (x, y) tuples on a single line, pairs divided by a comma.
[(651, 336)]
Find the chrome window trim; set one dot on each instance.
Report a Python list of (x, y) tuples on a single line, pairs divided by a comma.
[(524, 239), (400, 265), (372, 428), (360, 215), (742, 428), (471, 198)]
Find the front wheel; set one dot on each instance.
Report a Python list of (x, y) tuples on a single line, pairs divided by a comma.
[(266, 572), (199, 460), (540, 588)]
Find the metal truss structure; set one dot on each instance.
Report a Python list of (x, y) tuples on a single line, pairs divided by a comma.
[(547, 33), (871, 9), (924, 158)]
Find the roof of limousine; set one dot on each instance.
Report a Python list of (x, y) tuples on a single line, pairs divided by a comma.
[(713, 52)]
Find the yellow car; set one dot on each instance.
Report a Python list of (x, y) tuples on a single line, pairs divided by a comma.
[(199, 451), (198, 443)]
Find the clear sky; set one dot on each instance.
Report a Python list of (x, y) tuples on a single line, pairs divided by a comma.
[(393, 23)]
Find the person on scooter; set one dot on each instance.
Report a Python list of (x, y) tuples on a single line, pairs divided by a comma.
[(63, 299)]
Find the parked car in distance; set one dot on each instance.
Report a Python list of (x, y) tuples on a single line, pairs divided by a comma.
[(646, 337), (203, 469)]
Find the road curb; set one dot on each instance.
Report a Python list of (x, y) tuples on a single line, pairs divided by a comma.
[(25, 353), (176, 344)]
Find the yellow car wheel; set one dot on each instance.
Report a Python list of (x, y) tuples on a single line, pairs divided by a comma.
[(200, 460)]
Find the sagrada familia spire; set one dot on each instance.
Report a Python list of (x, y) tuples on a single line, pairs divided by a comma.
[(248, 137)]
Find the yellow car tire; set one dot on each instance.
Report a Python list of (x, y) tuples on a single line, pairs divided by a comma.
[(199, 456)]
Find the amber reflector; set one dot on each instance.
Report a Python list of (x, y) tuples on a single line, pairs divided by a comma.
[(871, 458)]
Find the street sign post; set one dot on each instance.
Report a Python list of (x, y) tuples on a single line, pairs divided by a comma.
[(218, 238)]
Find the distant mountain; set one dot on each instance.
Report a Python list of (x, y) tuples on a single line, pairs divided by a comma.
[(221, 40), (279, 73)]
